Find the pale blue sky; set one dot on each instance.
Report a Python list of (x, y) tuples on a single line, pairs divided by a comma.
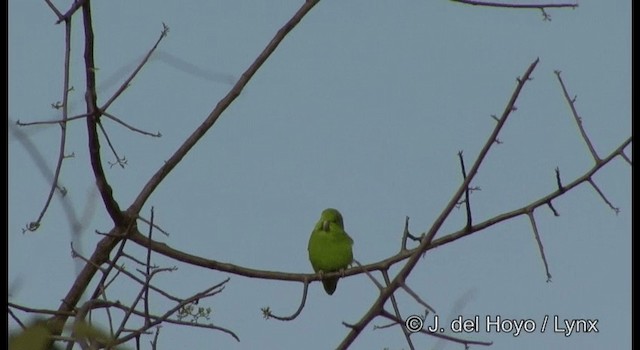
[(363, 108)]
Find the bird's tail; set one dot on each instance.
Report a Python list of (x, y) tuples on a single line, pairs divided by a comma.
[(330, 285)]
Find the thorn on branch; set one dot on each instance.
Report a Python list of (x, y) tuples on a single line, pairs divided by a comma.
[(555, 213), (625, 157), (348, 325), (559, 181)]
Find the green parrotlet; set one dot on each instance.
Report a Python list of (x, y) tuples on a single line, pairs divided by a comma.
[(330, 247)]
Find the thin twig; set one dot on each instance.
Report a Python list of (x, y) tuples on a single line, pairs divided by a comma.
[(536, 235), (127, 82), (119, 161), (154, 225), (375, 281), (39, 311), (514, 6), (132, 128), (112, 265), (15, 318), (141, 282), (604, 198), (154, 342), (625, 157), (148, 271), (266, 312), (396, 310), (142, 294), (578, 120), (55, 10), (555, 212), (63, 127), (417, 298), (49, 122)]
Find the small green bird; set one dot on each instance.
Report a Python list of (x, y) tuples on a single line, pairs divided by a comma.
[(330, 247)]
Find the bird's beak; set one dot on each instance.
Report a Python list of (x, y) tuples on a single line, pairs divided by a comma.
[(325, 225)]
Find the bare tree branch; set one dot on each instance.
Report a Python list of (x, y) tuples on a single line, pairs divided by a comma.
[(576, 117), (127, 82), (514, 6), (34, 225), (93, 119), (536, 235)]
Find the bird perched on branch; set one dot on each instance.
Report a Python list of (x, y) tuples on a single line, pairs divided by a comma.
[(330, 247)]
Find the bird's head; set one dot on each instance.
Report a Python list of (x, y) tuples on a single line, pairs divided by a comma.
[(330, 216)]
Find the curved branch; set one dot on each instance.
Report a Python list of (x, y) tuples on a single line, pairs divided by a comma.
[(166, 250), (268, 314)]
